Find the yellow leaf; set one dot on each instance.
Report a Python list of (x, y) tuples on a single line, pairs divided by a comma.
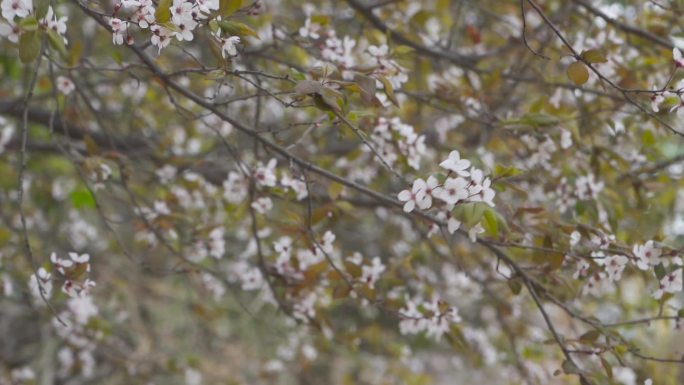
[(163, 13), (234, 28), (229, 7), (91, 145), (335, 189), (353, 269), (594, 56), (578, 73), (321, 20)]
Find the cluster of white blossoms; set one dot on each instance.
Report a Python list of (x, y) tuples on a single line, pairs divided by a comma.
[(432, 317), (585, 187), (463, 183), (371, 273), (339, 51), (609, 268), (236, 185), (214, 245), (71, 324), (543, 147), (346, 53), (673, 96), (15, 13), (73, 270), (354, 57), (648, 256), (291, 258), (159, 210), (540, 151), (296, 263), (392, 138), (179, 22), (296, 347), (386, 67)]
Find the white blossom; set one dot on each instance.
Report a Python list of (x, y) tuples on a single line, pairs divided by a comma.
[(455, 164), (646, 255), (262, 205), (16, 8), (614, 265), (416, 196), (41, 280), (454, 190), (65, 85), (370, 274), (119, 30), (229, 46), (265, 175), (10, 30), (670, 283)]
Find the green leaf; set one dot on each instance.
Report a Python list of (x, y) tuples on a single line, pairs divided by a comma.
[(660, 271), (29, 23), (570, 368), (590, 336), (594, 56), (609, 369), (229, 7), (216, 74), (234, 28), (29, 46), (501, 171), (75, 53), (356, 115), (515, 286), (41, 8), (389, 90), (323, 105), (329, 97), (163, 13), (578, 73), (471, 213), (402, 50), (117, 56), (296, 75), (82, 198), (367, 84), (213, 26), (648, 138), (307, 87), (57, 42), (491, 222)]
